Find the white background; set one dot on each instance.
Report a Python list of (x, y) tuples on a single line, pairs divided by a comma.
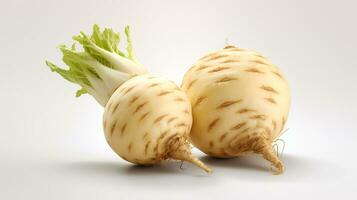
[(52, 145)]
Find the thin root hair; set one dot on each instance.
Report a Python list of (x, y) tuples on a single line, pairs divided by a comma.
[(276, 145), (181, 165), (284, 131)]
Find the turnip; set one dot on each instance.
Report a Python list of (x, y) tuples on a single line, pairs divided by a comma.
[(240, 103), (146, 119)]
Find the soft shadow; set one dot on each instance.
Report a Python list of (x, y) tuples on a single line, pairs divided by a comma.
[(119, 168), (162, 168), (248, 167), (117, 173), (248, 162), (297, 167)]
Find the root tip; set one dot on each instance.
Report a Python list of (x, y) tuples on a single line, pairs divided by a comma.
[(180, 150), (279, 168), (259, 145), (187, 156)]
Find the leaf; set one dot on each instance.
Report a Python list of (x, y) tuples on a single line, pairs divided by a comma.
[(80, 92), (129, 48)]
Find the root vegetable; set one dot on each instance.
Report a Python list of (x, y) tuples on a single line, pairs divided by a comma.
[(240, 103), (146, 119)]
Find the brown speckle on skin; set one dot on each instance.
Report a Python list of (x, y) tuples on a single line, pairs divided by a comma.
[(179, 99), (271, 100), (199, 100), (160, 118), (164, 93), (186, 111), (133, 100), (260, 56), (113, 128), (143, 116), (259, 62), (129, 89), (262, 117), (230, 61), (153, 85), (269, 89), (123, 129), (146, 147), (191, 84), (171, 119), (140, 106), (216, 57), (229, 47), (163, 134), (222, 137), (228, 103), (129, 146), (213, 123), (105, 123), (202, 67), (274, 124), (245, 110), (180, 125), (283, 121), (254, 70), (133, 75), (244, 130), (278, 75), (218, 69), (211, 144), (226, 79), (115, 108), (238, 126)]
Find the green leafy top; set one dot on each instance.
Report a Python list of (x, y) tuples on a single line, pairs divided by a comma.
[(101, 67)]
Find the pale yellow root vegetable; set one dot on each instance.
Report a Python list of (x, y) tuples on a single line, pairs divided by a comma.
[(146, 119), (240, 103)]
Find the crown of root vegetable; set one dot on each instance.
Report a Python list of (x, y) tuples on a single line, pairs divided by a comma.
[(101, 67), (240, 103)]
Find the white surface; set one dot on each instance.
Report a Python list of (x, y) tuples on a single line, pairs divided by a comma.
[(52, 145)]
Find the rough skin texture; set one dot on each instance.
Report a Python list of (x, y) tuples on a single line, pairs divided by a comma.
[(240, 103), (147, 120)]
